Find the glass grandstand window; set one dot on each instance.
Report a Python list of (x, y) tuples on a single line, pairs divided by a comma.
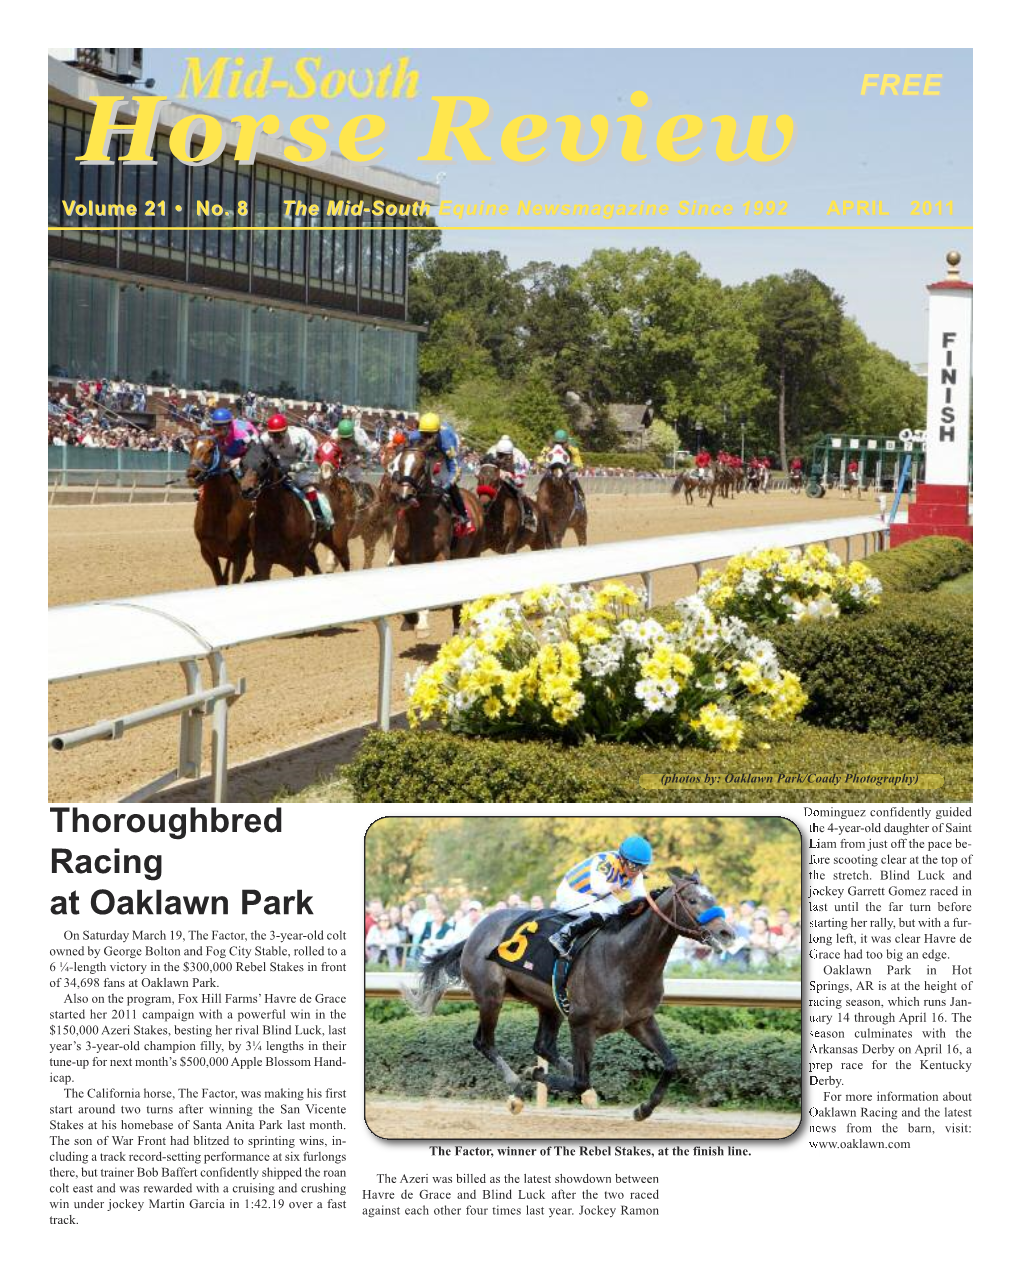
[(80, 307), (215, 352)]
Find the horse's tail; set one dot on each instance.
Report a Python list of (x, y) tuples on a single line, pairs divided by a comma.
[(437, 974)]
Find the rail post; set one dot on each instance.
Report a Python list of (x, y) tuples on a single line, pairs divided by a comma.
[(189, 754), (218, 670), (385, 672)]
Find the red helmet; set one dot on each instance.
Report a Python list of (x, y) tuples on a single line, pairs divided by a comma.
[(276, 423)]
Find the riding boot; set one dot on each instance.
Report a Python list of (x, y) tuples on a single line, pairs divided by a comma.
[(564, 939), (319, 503), (463, 524)]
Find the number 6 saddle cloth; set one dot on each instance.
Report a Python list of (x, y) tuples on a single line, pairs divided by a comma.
[(525, 945)]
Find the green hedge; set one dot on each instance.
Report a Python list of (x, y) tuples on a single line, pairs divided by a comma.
[(922, 564), (708, 1019), (906, 668), (638, 461), (432, 767), (435, 1058)]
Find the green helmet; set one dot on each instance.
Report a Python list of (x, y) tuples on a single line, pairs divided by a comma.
[(345, 431), (560, 436)]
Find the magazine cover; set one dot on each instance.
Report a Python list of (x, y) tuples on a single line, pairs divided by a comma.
[(509, 646)]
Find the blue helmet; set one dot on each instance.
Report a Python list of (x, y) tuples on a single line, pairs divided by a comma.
[(636, 849), (221, 417)]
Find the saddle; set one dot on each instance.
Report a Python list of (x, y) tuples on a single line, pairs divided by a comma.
[(525, 948)]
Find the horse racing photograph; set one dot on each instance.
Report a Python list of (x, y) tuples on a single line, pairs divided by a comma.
[(429, 474), (583, 977)]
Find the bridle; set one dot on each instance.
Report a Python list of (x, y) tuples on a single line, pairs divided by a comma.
[(274, 469), (422, 485), (205, 471), (694, 928)]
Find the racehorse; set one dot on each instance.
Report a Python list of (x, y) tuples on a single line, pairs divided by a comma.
[(615, 984), (223, 514), (505, 530), (283, 530), (359, 513), (559, 504), (686, 483), (424, 524)]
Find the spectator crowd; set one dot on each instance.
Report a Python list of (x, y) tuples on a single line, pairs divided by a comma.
[(402, 936)]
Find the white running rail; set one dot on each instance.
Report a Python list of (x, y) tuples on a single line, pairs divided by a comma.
[(189, 627), (735, 993)]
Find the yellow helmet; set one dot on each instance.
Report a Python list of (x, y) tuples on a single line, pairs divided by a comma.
[(429, 423)]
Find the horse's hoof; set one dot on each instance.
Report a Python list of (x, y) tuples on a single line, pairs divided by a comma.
[(590, 1099), (640, 1113), (515, 1105)]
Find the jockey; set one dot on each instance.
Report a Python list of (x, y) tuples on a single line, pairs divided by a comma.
[(233, 435), (351, 452), (796, 466), (563, 441), (593, 887), (437, 438), (294, 448), (514, 466), (505, 455)]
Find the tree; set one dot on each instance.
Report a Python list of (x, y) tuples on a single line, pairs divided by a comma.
[(453, 354), (800, 320), (536, 408)]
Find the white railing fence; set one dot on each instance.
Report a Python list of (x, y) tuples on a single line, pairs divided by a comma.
[(189, 627)]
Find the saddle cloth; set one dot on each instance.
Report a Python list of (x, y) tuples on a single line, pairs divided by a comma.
[(525, 948)]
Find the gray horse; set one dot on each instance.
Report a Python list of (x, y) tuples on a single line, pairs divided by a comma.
[(615, 984)]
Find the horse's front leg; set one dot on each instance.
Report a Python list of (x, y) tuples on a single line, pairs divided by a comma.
[(647, 1033), (582, 1040)]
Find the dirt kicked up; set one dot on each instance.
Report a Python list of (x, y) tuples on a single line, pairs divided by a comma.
[(304, 689), (447, 1119)]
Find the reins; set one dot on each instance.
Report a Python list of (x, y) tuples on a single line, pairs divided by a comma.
[(698, 934)]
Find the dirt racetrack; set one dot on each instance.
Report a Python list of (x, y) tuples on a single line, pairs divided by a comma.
[(446, 1118), (303, 690)]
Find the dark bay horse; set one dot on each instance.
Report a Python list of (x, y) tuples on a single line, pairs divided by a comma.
[(282, 530), (222, 514), (505, 530), (424, 527), (559, 505), (616, 984)]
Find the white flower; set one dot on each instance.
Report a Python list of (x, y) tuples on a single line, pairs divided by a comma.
[(720, 681)]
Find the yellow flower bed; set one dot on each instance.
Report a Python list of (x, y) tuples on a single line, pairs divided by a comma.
[(584, 663), (779, 585)]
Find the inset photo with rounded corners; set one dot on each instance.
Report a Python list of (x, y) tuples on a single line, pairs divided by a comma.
[(585, 977)]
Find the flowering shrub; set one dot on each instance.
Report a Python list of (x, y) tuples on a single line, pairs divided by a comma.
[(778, 585), (578, 664)]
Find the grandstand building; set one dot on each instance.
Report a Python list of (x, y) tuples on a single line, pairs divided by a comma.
[(238, 303)]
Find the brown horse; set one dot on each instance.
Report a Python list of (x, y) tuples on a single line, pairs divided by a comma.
[(685, 483), (505, 529), (560, 505), (359, 514), (222, 515), (424, 527), (282, 528)]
